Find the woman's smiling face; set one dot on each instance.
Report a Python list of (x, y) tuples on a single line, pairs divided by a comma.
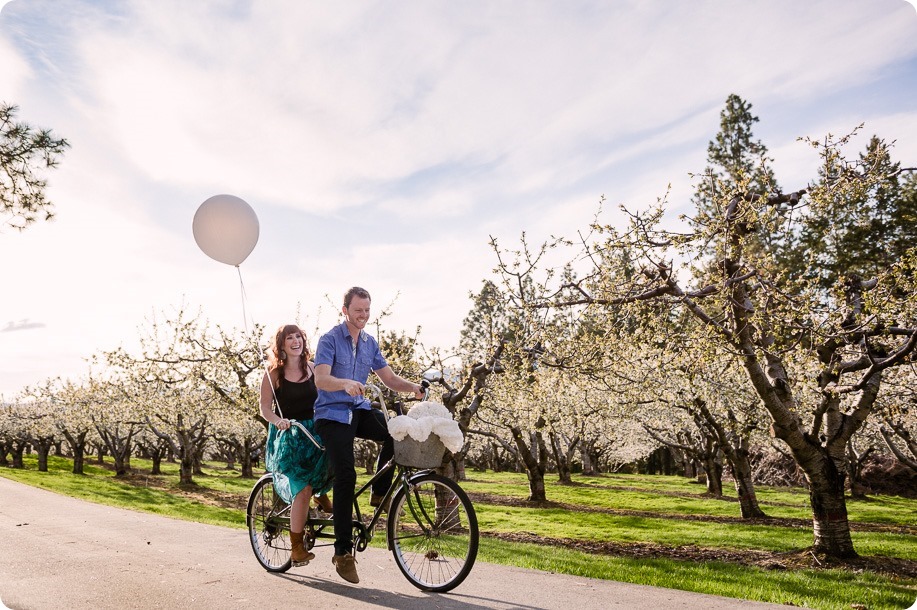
[(293, 344)]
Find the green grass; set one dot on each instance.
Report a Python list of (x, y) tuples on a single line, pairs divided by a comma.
[(600, 527), (618, 509), (676, 495), (824, 589), (99, 485)]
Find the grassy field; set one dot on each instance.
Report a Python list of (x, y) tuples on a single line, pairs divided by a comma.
[(652, 530)]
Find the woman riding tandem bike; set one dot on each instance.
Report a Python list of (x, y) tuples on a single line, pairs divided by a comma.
[(299, 465)]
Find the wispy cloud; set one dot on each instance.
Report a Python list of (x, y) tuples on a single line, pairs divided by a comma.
[(317, 117), (21, 325)]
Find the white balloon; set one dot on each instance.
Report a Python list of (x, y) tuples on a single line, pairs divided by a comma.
[(226, 229)]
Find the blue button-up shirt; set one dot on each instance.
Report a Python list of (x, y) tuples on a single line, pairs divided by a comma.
[(347, 361)]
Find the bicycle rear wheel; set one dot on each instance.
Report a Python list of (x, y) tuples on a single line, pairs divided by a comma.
[(268, 519), (433, 532)]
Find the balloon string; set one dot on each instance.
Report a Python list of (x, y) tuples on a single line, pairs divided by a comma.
[(245, 319), (245, 316)]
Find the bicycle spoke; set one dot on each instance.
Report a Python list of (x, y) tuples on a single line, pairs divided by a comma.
[(434, 533), (268, 527)]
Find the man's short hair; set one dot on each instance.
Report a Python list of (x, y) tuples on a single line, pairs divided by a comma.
[(356, 291)]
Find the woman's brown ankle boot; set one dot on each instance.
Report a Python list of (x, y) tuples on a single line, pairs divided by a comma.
[(300, 555)]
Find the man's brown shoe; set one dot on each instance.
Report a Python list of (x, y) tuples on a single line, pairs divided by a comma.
[(347, 567)]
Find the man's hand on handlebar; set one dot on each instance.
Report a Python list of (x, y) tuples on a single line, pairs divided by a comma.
[(419, 392), (353, 388)]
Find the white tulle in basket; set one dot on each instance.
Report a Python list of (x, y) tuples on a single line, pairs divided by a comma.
[(413, 443)]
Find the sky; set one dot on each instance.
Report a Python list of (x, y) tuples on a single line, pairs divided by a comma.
[(383, 144)]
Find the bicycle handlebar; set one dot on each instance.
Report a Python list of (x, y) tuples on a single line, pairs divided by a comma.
[(424, 384), (305, 431), (375, 390)]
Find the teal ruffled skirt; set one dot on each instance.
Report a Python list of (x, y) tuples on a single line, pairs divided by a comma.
[(296, 462)]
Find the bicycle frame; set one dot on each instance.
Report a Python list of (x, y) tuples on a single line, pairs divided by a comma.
[(364, 530)]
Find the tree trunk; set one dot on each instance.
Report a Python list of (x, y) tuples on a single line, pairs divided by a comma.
[(120, 450), (729, 439), (186, 455), (78, 449), (598, 465), (690, 467), (447, 517), (245, 460), (16, 451), (496, 462), (668, 462), (651, 460), (43, 448), (78, 460), (460, 474), (454, 466), (855, 463), (748, 499), (586, 458), (714, 469), (826, 480), (534, 467), (198, 460), (829, 511), (156, 458), (537, 492), (745, 486), (560, 458), (186, 467), (121, 467)]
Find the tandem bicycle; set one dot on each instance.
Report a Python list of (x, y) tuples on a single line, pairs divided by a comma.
[(431, 527)]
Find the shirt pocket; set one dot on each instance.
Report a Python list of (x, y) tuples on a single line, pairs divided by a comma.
[(365, 358), (364, 364), (343, 365)]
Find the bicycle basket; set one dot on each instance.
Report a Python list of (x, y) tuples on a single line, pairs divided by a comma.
[(416, 454)]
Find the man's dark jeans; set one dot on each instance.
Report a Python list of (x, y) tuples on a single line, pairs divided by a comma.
[(338, 441)]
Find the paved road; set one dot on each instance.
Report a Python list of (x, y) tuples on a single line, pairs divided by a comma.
[(60, 552)]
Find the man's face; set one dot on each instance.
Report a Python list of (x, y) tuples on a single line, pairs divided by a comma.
[(357, 315)]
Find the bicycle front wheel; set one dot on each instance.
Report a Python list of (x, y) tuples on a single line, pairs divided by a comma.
[(268, 519), (433, 532)]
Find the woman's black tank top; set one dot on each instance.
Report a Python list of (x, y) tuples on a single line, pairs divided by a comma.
[(297, 398)]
